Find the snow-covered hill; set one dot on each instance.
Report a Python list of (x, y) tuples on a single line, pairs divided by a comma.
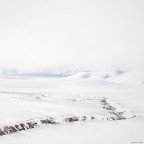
[(133, 77), (97, 75), (130, 77), (117, 76)]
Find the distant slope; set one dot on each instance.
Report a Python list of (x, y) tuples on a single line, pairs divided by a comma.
[(96, 75), (80, 75), (130, 77), (117, 76)]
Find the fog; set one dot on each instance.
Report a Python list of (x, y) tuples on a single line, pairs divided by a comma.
[(90, 33)]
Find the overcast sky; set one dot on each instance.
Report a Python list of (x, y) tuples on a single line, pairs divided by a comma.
[(97, 33)]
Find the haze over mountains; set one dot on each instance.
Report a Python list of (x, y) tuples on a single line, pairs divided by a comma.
[(115, 75), (57, 72)]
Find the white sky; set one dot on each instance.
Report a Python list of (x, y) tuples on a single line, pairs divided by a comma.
[(97, 33)]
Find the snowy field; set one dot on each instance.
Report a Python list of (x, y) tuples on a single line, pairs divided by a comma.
[(70, 111)]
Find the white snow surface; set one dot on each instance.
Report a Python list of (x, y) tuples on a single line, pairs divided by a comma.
[(22, 99)]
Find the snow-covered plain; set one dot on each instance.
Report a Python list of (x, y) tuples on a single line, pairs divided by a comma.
[(108, 111)]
